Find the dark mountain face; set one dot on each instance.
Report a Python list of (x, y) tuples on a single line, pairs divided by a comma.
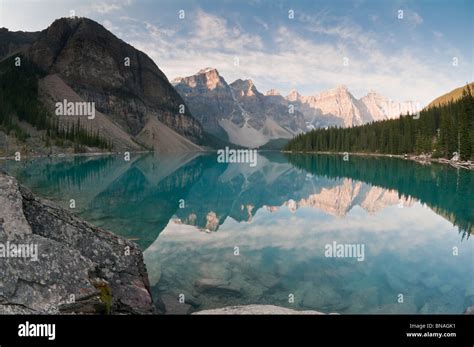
[(122, 81)]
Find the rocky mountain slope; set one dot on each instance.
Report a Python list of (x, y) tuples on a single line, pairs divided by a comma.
[(79, 268), (137, 106), (451, 96), (237, 112)]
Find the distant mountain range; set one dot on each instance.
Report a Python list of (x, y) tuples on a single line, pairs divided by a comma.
[(237, 112), (340, 107), (241, 114)]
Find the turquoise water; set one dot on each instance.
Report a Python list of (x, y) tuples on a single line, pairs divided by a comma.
[(229, 234)]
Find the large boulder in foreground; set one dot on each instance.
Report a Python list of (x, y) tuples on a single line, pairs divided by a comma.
[(255, 310), (66, 265)]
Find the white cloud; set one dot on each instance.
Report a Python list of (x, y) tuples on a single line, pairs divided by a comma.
[(104, 7), (414, 18), (261, 22), (213, 32), (294, 60), (306, 55), (343, 30)]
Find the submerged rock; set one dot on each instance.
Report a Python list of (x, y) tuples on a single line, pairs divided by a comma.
[(216, 287), (173, 306), (255, 309), (67, 265), (469, 310)]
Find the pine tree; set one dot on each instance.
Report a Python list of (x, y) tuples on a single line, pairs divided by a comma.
[(464, 125)]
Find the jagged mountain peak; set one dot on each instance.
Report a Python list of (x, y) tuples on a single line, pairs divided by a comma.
[(293, 95), (245, 87), (240, 106), (208, 70), (340, 90), (176, 80), (207, 79), (374, 96), (240, 83), (273, 92), (336, 106), (341, 87), (373, 92), (238, 112), (380, 107), (82, 41)]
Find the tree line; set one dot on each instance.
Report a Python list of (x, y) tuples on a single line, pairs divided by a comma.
[(19, 103), (440, 131)]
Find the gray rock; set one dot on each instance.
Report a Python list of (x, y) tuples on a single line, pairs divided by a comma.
[(12, 221), (80, 268), (173, 306), (255, 310), (216, 287)]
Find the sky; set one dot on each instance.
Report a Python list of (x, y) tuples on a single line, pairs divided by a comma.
[(405, 50)]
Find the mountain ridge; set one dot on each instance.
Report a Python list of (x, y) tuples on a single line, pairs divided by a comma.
[(453, 95), (238, 111), (125, 85)]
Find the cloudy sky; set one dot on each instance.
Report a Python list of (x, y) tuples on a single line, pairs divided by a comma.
[(417, 54)]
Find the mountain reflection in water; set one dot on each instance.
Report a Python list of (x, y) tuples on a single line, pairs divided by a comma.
[(189, 214)]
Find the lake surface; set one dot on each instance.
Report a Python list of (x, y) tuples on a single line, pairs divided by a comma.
[(218, 234)]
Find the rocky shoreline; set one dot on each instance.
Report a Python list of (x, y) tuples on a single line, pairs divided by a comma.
[(79, 268), (70, 155), (422, 159)]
